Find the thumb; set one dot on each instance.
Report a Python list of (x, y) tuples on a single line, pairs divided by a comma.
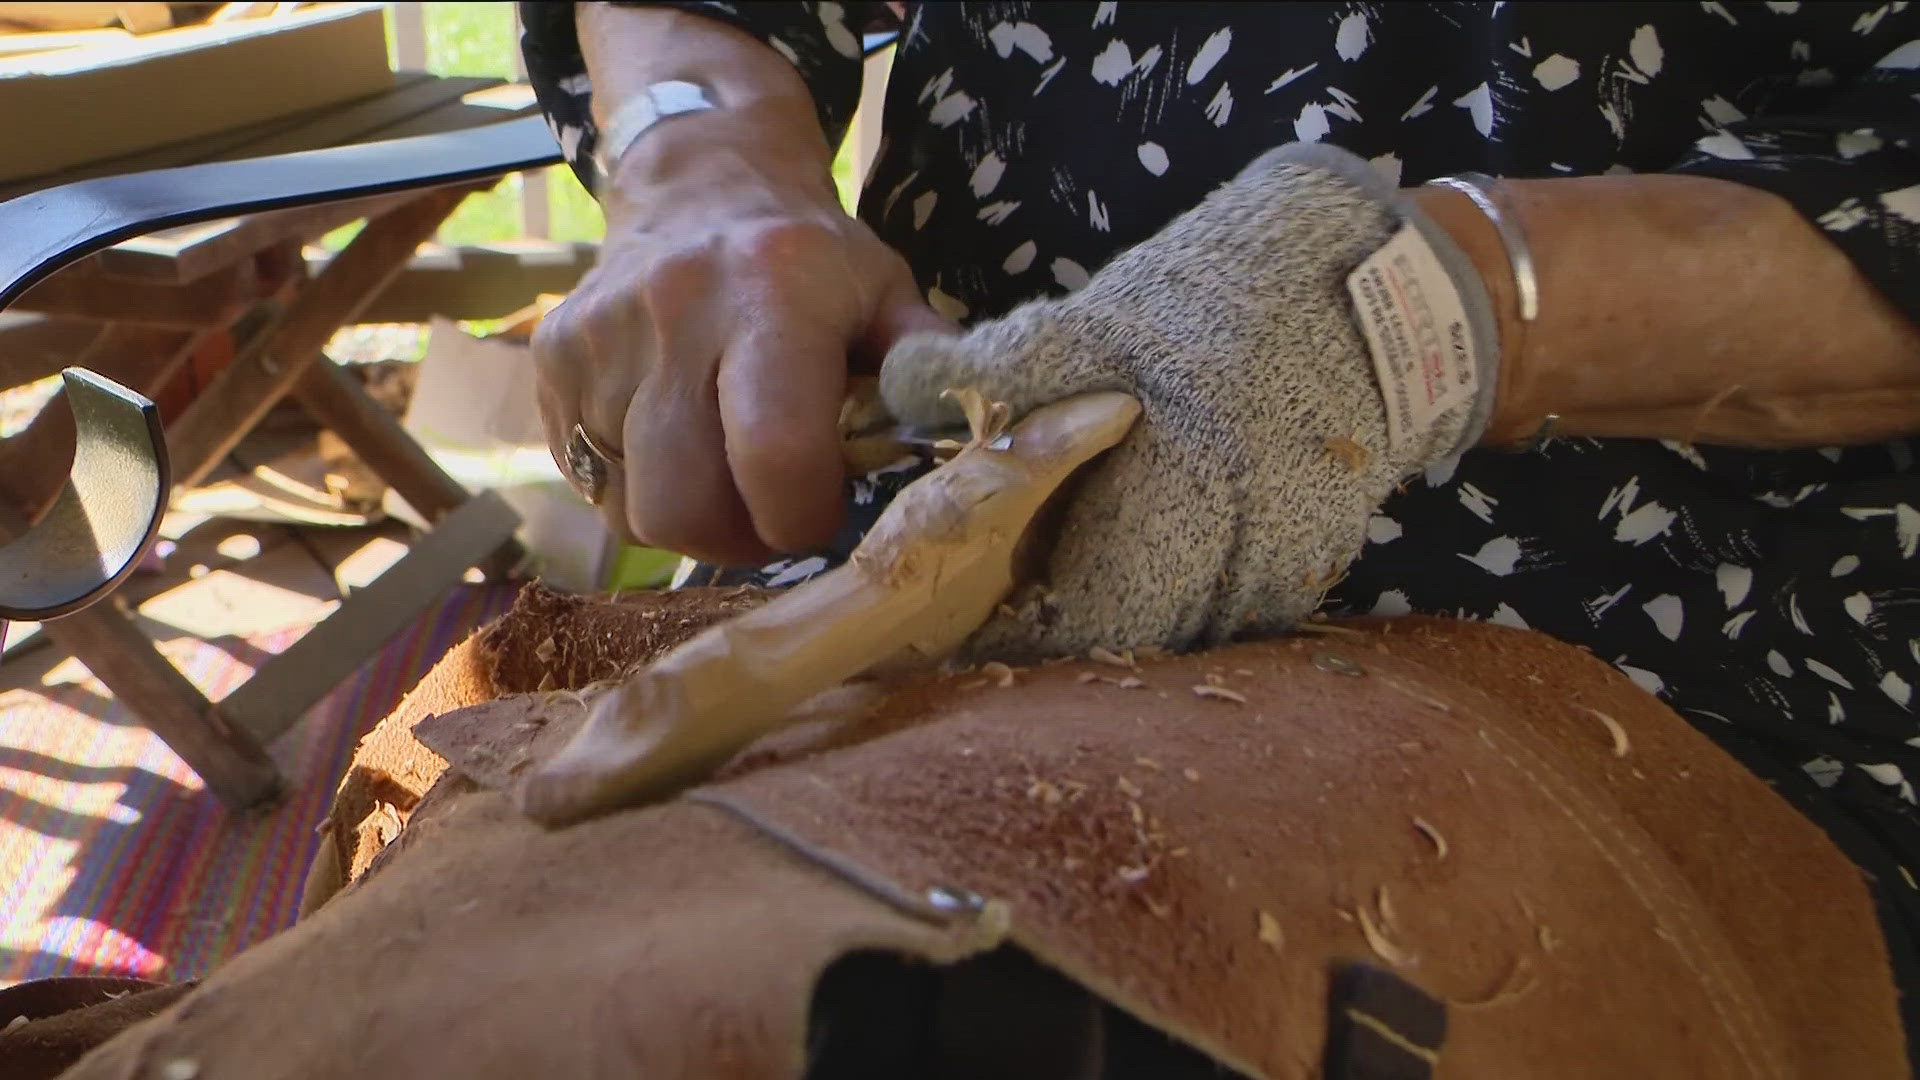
[(1024, 360)]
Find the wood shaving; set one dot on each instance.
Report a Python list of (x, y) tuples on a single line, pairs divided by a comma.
[(1269, 930), (1214, 679), (1432, 834), (1108, 656), (1128, 787), (1382, 945), (1385, 903), (1516, 984), (1351, 454), (1149, 652), (1006, 610), (1548, 942), (986, 420), (1133, 875), (1191, 774), (1160, 910), (1138, 815), (1044, 791), (1248, 672), (1127, 683), (1207, 690), (1001, 674), (1178, 853), (1089, 677), (1329, 629), (18, 1021), (1147, 763), (547, 682), (546, 650), (1620, 744)]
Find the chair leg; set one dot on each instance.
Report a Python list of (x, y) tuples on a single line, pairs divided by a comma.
[(270, 365), (233, 763)]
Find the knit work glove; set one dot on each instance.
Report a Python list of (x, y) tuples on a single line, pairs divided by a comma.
[(1266, 442)]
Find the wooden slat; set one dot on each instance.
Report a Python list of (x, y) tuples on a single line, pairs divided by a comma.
[(359, 120), (409, 36), (190, 252), (282, 691), (267, 368), (342, 405), (80, 291), (477, 282)]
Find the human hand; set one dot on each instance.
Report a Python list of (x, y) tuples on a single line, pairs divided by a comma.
[(708, 348), (1266, 441)]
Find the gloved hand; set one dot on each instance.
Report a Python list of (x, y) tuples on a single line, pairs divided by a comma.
[(1266, 441)]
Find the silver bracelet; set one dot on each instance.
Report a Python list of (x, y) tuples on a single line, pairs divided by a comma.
[(1479, 188), (654, 104)]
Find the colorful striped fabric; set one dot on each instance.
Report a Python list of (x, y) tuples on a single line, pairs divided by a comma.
[(114, 859)]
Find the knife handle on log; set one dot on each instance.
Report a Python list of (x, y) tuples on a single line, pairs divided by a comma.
[(930, 572)]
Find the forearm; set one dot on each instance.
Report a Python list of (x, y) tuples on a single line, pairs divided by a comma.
[(762, 136), (1686, 307)]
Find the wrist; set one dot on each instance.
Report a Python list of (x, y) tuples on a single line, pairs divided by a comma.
[(1514, 414), (761, 155)]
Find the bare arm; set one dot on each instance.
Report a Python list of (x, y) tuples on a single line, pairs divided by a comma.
[(1687, 307)]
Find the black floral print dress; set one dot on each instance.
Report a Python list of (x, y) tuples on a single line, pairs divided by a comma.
[(1771, 598)]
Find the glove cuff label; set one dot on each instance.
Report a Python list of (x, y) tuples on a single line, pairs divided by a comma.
[(1417, 330)]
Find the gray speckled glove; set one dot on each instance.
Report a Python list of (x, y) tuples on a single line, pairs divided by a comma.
[(1266, 442)]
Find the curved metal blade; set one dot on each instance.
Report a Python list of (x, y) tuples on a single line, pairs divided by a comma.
[(103, 521)]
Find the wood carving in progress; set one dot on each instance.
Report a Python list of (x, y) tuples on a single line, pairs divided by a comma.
[(931, 571)]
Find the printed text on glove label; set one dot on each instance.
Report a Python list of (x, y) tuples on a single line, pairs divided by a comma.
[(1417, 330)]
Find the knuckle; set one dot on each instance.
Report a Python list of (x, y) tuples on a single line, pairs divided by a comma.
[(777, 243)]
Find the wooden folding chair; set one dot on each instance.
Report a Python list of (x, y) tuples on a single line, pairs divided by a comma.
[(407, 187)]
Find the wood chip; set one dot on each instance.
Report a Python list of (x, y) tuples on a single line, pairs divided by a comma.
[(1381, 944), (1147, 763), (1128, 787), (1270, 934), (1620, 744), (1108, 656), (1208, 690), (1046, 792), (1089, 677), (1178, 853), (16, 1022), (1548, 942), (1349, 453), (1133, 875), (1191, 774), (1001, 674), (546, 651), (547, 682), (1433, 835)]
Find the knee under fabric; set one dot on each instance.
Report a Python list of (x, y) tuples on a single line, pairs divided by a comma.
[(1242, 851)]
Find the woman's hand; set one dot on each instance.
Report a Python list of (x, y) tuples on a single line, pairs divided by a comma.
[(710, 345), (708, 349), (1267, 439)]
